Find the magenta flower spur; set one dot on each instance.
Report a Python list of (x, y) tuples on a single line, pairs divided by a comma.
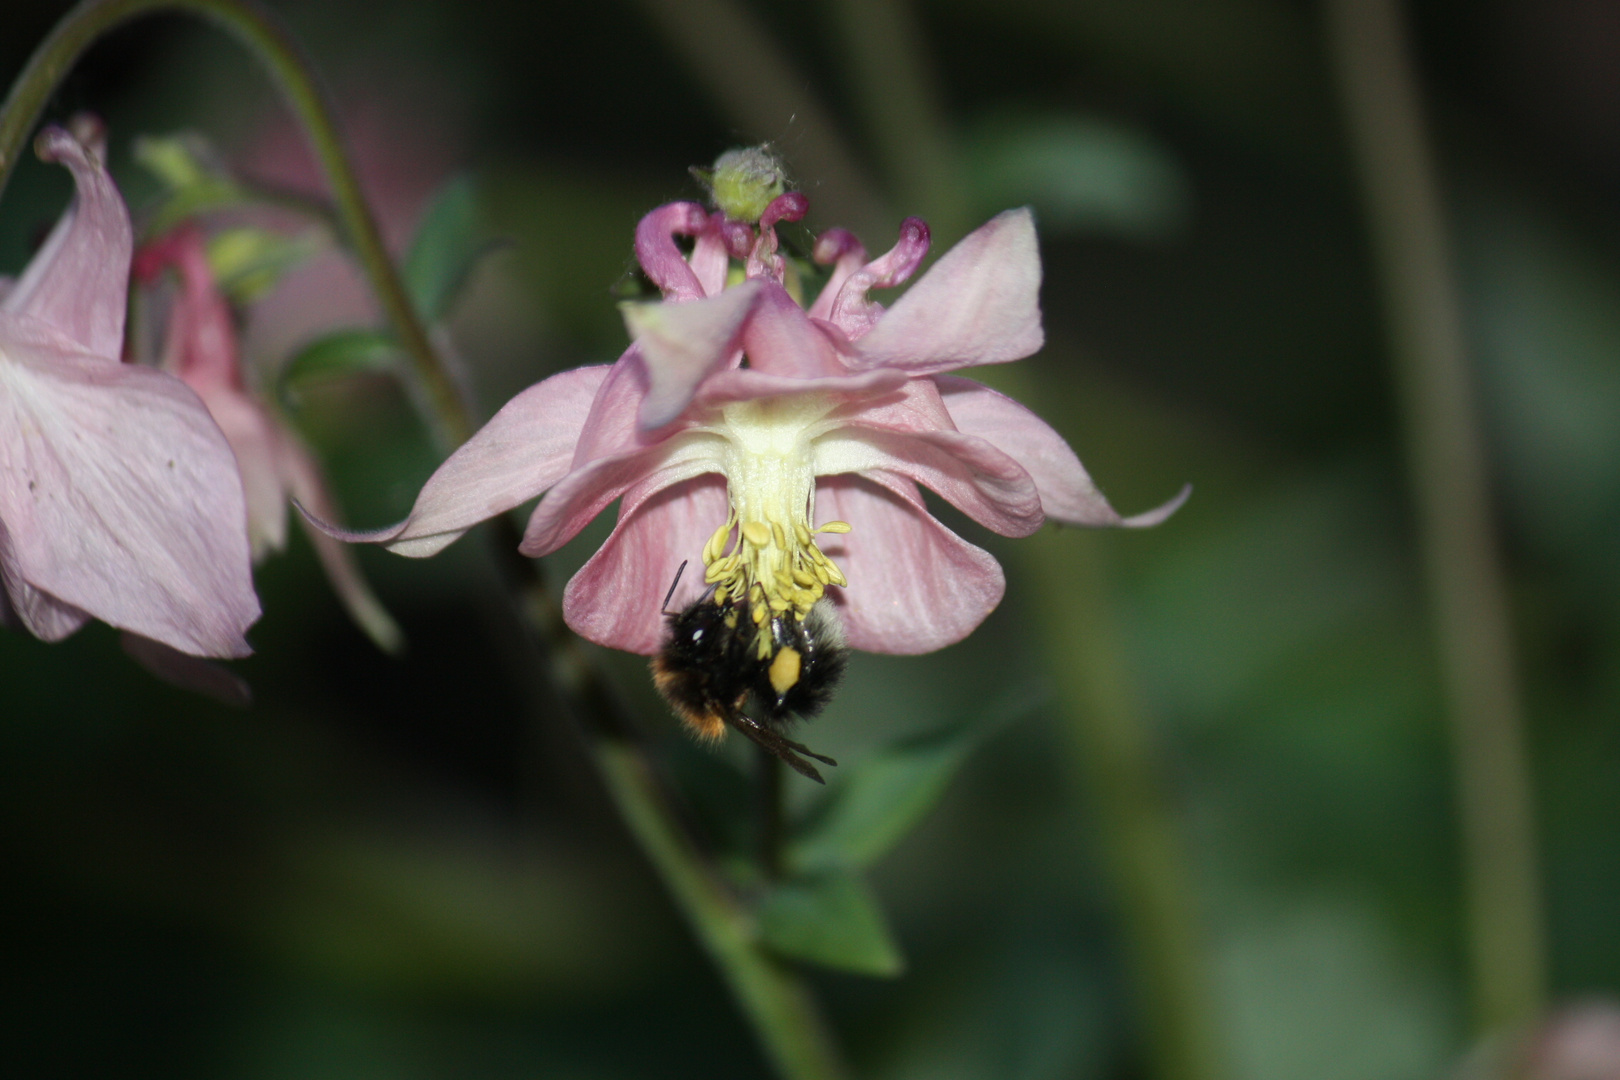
[(781, 451)]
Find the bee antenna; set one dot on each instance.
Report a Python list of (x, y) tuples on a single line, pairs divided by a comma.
[(673, 585)]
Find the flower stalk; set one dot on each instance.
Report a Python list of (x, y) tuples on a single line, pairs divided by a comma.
[(1446, 457), (775, 999)]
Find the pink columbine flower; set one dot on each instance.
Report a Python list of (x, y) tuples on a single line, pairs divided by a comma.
[(119, 498), (783, 447), (201, 349)]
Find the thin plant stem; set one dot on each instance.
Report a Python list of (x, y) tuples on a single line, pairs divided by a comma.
[(774, 998), (1446, 458), (1140, 839)]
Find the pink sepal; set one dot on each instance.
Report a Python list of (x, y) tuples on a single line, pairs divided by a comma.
[(120, 499), (523, 450), (614, 599), (307, 487), (78, 282), (911, 433), (1067, 492), (681, 343), (980, 304), (914, 586)]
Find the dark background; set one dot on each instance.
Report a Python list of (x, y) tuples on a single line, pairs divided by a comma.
[(405, 868)]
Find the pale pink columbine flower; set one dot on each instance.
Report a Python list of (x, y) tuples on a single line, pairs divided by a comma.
[(784, 447), (201, 349), (119, 498)]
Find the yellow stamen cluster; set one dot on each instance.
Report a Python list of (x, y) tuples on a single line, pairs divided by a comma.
[(772, 567)]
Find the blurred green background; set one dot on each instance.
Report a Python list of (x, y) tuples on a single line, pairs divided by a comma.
[(407, 869)]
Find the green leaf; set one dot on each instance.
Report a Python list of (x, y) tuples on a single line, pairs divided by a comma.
[(884, 797), (193, 178), (342, 352), (248, 261), (448, 244), (832, 920), (1081, 175)]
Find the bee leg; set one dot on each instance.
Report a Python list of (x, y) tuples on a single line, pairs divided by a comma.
[(771, 742)]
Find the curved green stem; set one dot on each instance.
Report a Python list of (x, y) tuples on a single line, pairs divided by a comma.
[(256, 29), (775, 999)]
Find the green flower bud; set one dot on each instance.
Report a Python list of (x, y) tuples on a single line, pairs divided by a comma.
[(744, 181)]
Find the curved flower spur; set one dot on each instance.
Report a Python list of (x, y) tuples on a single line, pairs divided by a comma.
[(782, 448)]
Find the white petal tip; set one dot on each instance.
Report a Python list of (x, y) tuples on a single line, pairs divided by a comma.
[(1155, 516)]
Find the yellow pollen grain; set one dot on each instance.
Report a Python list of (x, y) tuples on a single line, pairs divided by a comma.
[(756, 533), (834, 527), (835, 576), (784, 580), (784, 669), (802, 579), (717, 543), (802, 533), (721, 595), (781, 537), (780, 604), (758, 614), (820, 570)]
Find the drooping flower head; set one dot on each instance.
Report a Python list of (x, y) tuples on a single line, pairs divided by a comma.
[(784, 447), (119, 497), (202, 350)]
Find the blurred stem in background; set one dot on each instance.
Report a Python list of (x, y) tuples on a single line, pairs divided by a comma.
[(1140, 839), (774, 998), (1461, 560), (1141, 843)]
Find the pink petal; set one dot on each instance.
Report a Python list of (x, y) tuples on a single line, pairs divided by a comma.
[(256, 440), (781, 340), (303, 479), (523, 450), (615, 599), (188, 672), (79, 281), (747, 384), (658, 255), (582, 494), (980, 304), (1067, 493), (845, 251), (40, 613), (201, 346), (682, 343), (120, 497), (711, 255), (911, 433), (914, 586)]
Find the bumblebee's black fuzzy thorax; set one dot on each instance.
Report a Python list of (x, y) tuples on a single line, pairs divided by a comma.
[(714, 672)]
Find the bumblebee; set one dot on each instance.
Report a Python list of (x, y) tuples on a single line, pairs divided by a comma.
[(719, 667)]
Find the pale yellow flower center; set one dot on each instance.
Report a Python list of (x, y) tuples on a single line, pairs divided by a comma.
[(765, 555)]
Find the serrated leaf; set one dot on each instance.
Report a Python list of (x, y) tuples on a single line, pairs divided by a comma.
[(448, 244), (832, 920), (342, 352), (883, 797)]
